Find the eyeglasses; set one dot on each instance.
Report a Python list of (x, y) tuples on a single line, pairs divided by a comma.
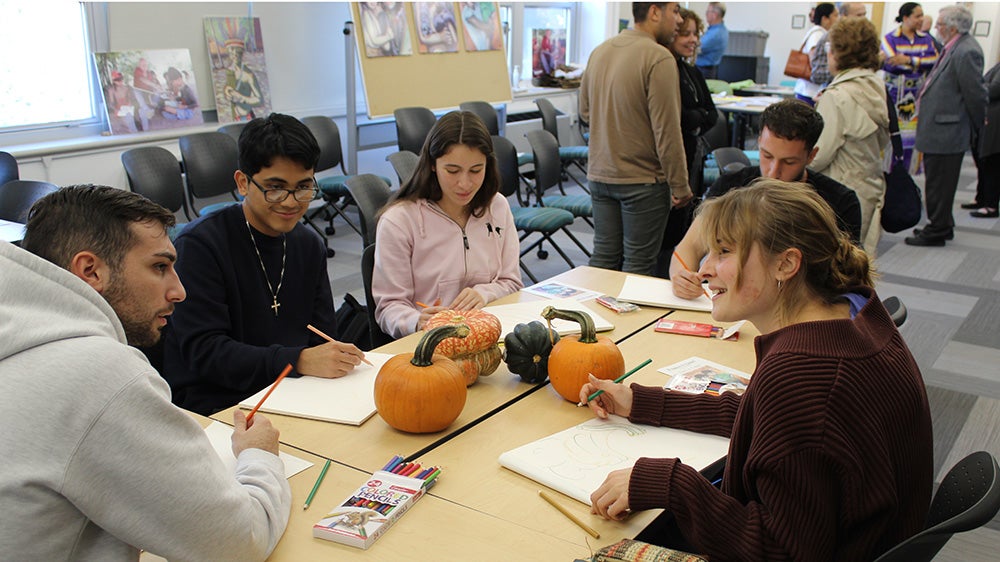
[(274, 194)]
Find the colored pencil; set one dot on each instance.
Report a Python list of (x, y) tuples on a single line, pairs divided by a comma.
[(392, 463), (422, 305), (597, 393), (319, 481), (590, 530), (320, 333), (684, 265), (284, 373)]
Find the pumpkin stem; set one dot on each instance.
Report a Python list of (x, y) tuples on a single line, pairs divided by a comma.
[(423, 355), (588, 333)]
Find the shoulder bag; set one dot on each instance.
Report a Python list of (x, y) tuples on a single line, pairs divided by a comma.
[(902, 207), (798, 64)]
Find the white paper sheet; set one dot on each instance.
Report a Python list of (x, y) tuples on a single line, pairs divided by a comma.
[(659, 293), (511, 315), (220, 435)]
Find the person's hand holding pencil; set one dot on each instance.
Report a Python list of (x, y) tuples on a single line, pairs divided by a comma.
[(609, 397), (426, 311), (254, 433), (330, 360), (686, 282)]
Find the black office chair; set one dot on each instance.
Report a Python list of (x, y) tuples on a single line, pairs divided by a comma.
[(370, 193), (484, 111), (233, 129), (405, 163), (377, 336), (968, 498), (333, 188), (155, 173), (8, 167), (568, 155), (545, 221), (897, 310), (730, 159), (545, 150), (412, 126), (17, 197), (210, 160)]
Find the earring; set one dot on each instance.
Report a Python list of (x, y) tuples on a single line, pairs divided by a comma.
[(779, 285)]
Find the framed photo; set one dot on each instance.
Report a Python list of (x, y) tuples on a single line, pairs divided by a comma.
[(799, 21), (239, 75), (981, 28)]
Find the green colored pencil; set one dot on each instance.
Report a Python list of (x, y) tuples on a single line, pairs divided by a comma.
[(319, 481), (619, 379)]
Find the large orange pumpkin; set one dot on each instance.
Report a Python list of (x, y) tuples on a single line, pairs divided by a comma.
[(478, 354), (422, 392), (574, 357)]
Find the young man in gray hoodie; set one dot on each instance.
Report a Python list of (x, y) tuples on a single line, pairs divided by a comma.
[(98, 463)]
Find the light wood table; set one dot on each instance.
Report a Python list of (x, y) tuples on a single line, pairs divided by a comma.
[(371, 445), (472, 458)]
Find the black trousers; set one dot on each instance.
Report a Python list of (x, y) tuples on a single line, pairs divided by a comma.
[(988, 186), (941, 172)]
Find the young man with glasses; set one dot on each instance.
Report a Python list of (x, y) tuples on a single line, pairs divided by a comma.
[(256, 277)]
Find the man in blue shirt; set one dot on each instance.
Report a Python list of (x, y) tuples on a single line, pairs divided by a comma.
[(713, 43)]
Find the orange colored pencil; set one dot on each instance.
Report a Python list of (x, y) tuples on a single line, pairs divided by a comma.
[(320, 333), (684, 265), (422, 305), (284, 373)]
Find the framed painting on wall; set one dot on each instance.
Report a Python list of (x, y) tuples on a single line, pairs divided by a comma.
[(437, 31), (481, 22), (239, 73), (385, 28)]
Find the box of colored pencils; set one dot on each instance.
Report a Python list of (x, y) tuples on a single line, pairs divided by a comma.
[(364, 516)]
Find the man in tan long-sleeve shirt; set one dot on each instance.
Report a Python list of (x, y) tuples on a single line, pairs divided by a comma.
[(629, 95)]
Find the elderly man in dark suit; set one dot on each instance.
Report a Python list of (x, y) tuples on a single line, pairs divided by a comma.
[(951, 107)]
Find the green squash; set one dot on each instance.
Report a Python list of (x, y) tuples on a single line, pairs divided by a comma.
[(527, 350)]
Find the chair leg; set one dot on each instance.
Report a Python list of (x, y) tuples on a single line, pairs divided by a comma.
[(528, 272), (542, 254), (586, 252), (330, 252), (560, 250)]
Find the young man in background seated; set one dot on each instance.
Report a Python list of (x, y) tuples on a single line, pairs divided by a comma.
[(787, 142), (99, 463), (256, 277)]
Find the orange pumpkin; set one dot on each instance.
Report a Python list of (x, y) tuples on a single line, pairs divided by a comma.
[(478, 354), (574, 357), (422, 392)]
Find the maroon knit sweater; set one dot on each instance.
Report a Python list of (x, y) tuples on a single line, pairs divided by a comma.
[(830, 455)]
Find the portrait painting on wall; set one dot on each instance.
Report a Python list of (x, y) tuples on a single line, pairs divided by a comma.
[(385, 28), (548, 50), (148, 90), (482, 26), (239, 73), (437, 31)]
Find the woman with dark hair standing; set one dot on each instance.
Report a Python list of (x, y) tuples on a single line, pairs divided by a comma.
[(855, 121), (910, 55), (823, 18), (698, 115), (830, 451), (448, 236)]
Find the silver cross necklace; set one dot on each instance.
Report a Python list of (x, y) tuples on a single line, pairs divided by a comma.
[(274, 291)]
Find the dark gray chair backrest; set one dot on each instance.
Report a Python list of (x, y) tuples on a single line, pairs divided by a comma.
[(968, 498), (412, 126), (233, 130), (17, 197), (731, 159), (378, 337), (327, 133), (155, 173), (370, 193), (718, 135), (8, 167), (210, 160), (405, 163), (549, 113), (548, 166), (506, 154), (484, 111)]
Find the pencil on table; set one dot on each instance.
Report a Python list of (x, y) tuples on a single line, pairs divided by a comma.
[(315, 487), (680, 260), (320, 333), (590, 530), (284, 373)]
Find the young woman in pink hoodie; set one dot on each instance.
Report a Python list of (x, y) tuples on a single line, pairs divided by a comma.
[(447, 239)]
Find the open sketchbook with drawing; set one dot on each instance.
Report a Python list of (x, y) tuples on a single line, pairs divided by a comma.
[(659, 293), (349, 400), (576, 461), (511, 315)]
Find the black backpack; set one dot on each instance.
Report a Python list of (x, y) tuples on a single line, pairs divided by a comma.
[(353, 324)]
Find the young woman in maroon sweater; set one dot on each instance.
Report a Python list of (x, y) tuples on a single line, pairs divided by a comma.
[(830, 455)]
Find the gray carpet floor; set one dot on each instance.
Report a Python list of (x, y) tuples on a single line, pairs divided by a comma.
[(953, 328)]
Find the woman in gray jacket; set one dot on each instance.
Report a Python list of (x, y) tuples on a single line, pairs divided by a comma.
[(855, 121)]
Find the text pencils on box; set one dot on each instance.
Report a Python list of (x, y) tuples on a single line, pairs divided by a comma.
[(362, 518)]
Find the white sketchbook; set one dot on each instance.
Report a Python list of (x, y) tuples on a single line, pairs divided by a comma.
[(511, 315), (220, 435), (576, 461), (349, 400), (659, 293)]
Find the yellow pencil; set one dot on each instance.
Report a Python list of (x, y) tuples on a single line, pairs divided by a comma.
[(590, 531)]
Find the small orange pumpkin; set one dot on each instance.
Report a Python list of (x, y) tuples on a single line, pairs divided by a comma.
[(422, 392), (478, 354), (574, 357)]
